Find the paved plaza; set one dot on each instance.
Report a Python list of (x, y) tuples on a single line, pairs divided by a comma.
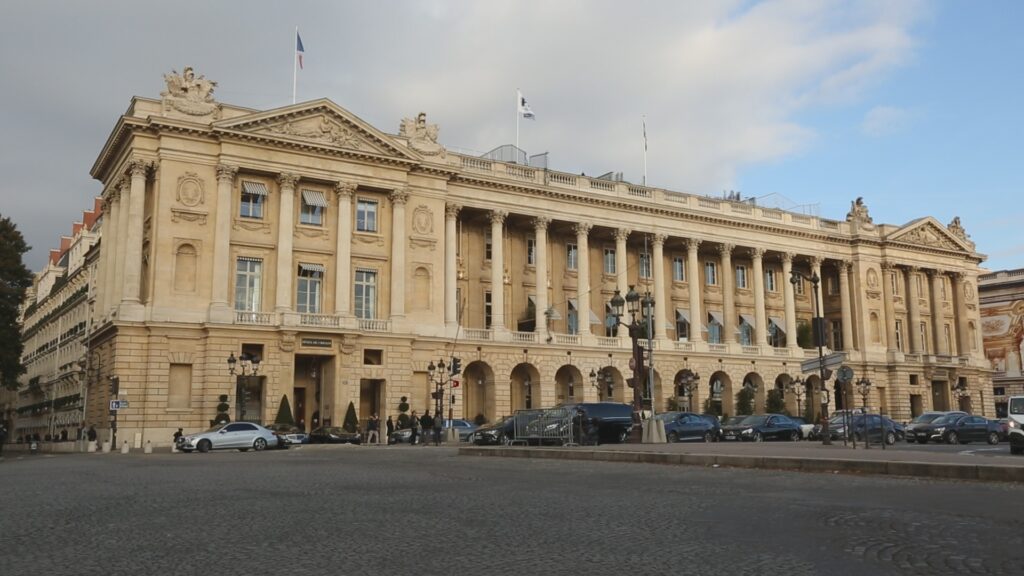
[(425, 510)]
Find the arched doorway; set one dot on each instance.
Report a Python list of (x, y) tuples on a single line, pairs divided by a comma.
[(525, 387), (478, 392), (720, 400), (657, 402), (686, 389), (812, 399), (755, 384), (568, 385), (788, 401)]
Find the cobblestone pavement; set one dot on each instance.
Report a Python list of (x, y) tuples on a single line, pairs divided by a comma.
[(411, 510)]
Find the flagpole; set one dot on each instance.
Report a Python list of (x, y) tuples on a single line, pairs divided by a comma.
[(644, 117), (295, 64), (518, 98)]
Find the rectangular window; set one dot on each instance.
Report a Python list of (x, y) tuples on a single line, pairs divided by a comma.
[(837, 335), (710, 273), (573, 320), (917, 284), (571, 257), (942, 283), (531, 251), (682, 328), (894, 281), (741, 276), (714, 330), (487, 309), (248, 285), (746, 332), (313, 205), (179, 386), (645, 265), (609, 261), (309, 288), (488, 241), (678, 269), (833, 285), (610, 324), (254, 194), (366, 215), (769, 280), (899, 335), (366, 294), (776, 334)]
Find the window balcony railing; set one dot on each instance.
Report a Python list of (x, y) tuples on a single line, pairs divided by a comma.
[(477, 334), (912, 357), (720, 348), (524, 337), (319, 320), (751, 349), (374, 325), (783, 352), (683, 346), (608, 341), (257, 318), (573, 339)]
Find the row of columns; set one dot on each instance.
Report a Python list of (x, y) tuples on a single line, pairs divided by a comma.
[(124, 207), (913, 298)]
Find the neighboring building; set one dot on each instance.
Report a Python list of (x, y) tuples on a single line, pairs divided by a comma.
[(1002, 322), (348, 259), (55, 321)]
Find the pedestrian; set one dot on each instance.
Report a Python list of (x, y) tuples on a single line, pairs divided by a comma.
[(426, 425), (373, 430), (3, 438), (177, 436), (64, 435), (91, 434), (414, 426), (438, 425), (390, 426)]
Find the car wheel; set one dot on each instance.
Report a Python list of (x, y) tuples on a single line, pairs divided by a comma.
[(623, 436), (993, 438), (794, 436), (758, 437), (709, 436), (259, 444), (890, 438), (673, 437), (952, 438), (204, 446)]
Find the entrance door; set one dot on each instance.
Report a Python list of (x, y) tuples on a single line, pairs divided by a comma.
[(940, 397), (299, 407), (916, 406), (371, 400)]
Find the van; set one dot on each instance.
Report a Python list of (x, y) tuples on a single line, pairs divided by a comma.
[(608, 421), (1015, 418)]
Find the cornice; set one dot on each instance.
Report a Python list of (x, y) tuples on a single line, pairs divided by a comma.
[(313, 147)]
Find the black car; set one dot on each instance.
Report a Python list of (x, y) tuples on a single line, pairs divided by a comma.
[(954, 429), (683, 426), (334, 435), (601, 422), (920, 428), (761, 427), (871, 426), (496, 433)]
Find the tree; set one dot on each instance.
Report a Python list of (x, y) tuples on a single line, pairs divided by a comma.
[(351, 420), (15, 279), (803, 335), (745, 401), (284, 413), (775, 403)]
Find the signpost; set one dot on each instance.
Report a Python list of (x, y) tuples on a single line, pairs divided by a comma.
[(118, 404), (831, 361)]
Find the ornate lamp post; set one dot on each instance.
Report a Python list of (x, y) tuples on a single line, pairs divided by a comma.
[(639, 327), (686, 384), (441, 376), (796, 388), (961, 392), (250, 366), (864, 389), (818, 322)]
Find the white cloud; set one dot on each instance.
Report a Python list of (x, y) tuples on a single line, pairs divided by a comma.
[(884, 120)]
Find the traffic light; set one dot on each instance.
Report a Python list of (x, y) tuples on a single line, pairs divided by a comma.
[(631, 382), (456, 366), (115, 385), (435, 395)]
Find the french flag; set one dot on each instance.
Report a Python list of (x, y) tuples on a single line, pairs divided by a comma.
[(298, 47)]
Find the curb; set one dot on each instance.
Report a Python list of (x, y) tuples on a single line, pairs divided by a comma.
[(983, 473)]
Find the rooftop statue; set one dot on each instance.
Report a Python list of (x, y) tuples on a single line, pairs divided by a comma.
[(956, 229), (858, 211), (188, 94), (422, 136)]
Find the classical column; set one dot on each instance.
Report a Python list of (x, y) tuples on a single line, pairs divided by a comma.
[(219, 310), (133, 241), (938, 324), (914, 309), (343, 250), (621, 281), (844, 303), (693, 275), (540, 226), (963, 327), (890, 312), (117, 284), (761, 330), (728, 293), (451, 281), (789, 295), (583, 275), (498, 270), (659, 286), (285, 224), (109, 247), (399, 197)]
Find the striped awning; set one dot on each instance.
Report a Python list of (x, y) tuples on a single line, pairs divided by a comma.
[(749, 320), (552, 313), (716, 317), (249, 259), (779, 324), (594, 319), (314, 198), (257, 188), (316, 268), (683, 314)]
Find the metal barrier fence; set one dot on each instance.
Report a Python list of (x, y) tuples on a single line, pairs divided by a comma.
[(551, 426)]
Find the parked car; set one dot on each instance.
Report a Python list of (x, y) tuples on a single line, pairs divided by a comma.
[(289, 435), (238, 435), (464, 427), (961, 429), (920, 428), (334, 435), (806, 430), (496, 433), (871, 426), (1015, 412), (683, 426), (590, 422), (761, 427), (729, 421)]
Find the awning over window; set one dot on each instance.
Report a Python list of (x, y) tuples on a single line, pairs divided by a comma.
[(716, 317), (532, 298), (594, 319), (779, 324), (257, 188), (316, 268), (314, 198), (572, 304), (749, 320), (249, 259), (552, 313), (683, 314)]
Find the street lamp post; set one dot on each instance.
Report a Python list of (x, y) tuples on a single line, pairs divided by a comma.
[(250, 366), (864, 388), (687, 383), (818, 323), (638, 330), (796, 388), (961, 392), (442, 376)]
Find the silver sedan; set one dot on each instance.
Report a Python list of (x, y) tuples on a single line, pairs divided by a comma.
[(236, 435)]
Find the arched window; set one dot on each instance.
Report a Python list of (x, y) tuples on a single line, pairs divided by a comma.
[(876, 335), (185, 268)]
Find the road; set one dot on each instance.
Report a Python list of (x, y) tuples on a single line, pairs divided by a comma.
[(424, 510)]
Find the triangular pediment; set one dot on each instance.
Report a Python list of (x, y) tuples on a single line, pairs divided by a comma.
[(930, 233), (321, 123)]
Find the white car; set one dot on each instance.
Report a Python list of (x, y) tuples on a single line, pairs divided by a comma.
[(236, 435), (1016, 421)]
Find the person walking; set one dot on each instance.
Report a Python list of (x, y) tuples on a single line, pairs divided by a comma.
[(3, 438), (390, 429), (177, 436), (438, 425), (91, 434), (373, 430), (426, 425), (414, 425)]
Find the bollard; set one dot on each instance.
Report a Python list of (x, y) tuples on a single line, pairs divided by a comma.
[(124, 448), (33, 447), (106, 446), (149, 448), (91, 447)]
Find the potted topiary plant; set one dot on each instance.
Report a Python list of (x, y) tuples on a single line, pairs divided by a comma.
[(403, 418), (222, 411), (351, 420), (284, 413)]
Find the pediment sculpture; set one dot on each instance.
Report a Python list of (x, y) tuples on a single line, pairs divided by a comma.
[(929, 235), (190, 95), (422, 136), (320, 128)]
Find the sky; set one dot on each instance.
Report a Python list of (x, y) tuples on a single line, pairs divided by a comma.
[(804, 104)]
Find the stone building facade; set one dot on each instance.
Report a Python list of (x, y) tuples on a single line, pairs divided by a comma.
[(348, 259), (1002, 324)]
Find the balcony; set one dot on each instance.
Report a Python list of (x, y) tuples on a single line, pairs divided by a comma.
[(683, 346), (477, 334), (718, 348), (781, 352), (751, 350), (608, 341), (573, 339), (374, 325), (255, 318), (524, 337), (319, 320)]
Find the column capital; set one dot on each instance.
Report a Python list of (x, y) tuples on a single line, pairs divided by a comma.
[(692, 244), (787, 257), (757, 253), (399, 196), (622, 234), (726, 249), (226, 173), (344, 189), (582, 228), (912, 269), (540, 222), (287, 180), (659, 239), (957, 275), (497, 216), (139, 168), (888, 266), (451, 210), (816, 261), (844, 265)]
